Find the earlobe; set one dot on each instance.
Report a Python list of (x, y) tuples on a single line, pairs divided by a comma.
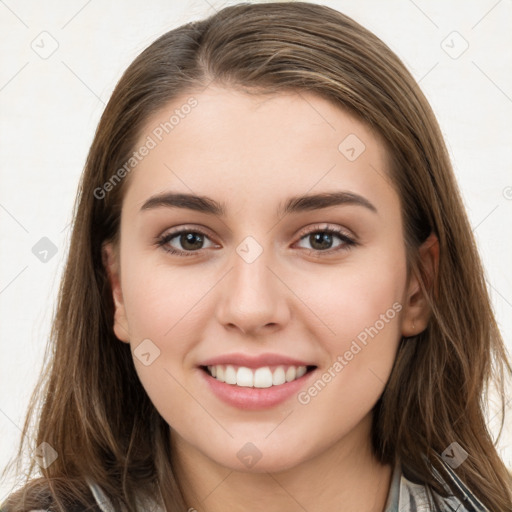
[(417, 307), (111, 264)]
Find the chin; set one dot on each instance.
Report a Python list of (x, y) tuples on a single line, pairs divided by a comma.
[(255, 458)]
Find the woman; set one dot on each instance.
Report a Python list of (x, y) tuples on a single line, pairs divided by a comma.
[(205, 358)]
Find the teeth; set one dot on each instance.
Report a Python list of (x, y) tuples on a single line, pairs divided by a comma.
[(230, 375), (278, 377), (244, 377), (291, 373), (260, 378)]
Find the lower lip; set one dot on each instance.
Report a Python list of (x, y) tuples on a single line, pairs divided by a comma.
[(255, 398)]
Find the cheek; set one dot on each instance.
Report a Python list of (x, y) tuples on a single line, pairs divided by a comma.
[(358, 297), (159, 300), (361, 305), (361, 353), (165, 306), (160, 312)]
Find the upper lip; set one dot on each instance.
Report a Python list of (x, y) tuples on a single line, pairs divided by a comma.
[(258, 361)]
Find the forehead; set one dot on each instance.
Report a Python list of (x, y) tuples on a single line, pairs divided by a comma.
[(240, 146)]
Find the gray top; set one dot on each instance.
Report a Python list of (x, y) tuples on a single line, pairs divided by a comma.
[(405, 495)]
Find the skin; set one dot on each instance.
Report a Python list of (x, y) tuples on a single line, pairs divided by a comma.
[(252, 153)]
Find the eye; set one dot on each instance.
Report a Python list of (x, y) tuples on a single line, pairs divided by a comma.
[(191, 242), (321, 240)]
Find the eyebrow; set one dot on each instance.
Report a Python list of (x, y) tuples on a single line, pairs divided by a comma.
[(295, 204)]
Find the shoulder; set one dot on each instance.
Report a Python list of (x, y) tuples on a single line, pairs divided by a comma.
[(407, 494), (72, 508), (37, 495), (79, 508), (105, 505)]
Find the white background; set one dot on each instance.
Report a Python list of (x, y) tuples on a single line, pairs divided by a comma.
[(50, 108)]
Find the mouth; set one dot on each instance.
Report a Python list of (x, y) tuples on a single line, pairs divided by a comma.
[(261, 377)]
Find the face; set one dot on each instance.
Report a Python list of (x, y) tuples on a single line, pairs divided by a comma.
[(256, 286)]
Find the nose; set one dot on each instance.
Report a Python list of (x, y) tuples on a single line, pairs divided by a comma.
[(253, 298)]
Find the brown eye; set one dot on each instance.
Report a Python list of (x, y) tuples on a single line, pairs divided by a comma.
[(188, 241), (322, 240)]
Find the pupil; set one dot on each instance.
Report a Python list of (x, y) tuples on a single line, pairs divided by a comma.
[(322, 237), (189, 241)]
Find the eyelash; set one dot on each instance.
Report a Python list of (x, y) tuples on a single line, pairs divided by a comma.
[(348, 243)]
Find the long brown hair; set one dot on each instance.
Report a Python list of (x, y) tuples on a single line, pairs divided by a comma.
[(91, 407)]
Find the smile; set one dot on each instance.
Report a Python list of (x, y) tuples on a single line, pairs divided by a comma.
[(263, 377)]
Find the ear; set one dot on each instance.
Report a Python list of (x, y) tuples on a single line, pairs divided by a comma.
[(110, 258), (417, 309)]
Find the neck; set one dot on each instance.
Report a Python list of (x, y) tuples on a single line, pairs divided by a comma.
[(345, 477)]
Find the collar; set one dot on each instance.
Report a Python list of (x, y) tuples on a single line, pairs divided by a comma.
[(408, 495), (405, 495)]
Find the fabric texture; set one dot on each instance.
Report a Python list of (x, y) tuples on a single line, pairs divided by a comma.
[(405, 495)]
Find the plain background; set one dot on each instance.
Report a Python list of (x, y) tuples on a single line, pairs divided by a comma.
[(459, 51)]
